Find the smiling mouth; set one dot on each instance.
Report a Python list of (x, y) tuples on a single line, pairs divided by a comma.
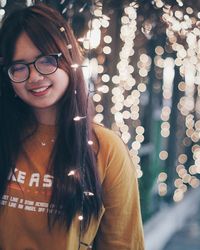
[(40, 91)]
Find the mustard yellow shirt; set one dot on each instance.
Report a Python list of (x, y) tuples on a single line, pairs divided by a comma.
[(24, 206)]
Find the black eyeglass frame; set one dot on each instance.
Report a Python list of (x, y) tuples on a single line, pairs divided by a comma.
[(55, 55)]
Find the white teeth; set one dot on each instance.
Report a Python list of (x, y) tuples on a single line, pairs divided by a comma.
[(39, 90)]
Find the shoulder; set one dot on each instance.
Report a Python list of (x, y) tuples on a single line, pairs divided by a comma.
[(107, 139), (105, 134), (112, 151)]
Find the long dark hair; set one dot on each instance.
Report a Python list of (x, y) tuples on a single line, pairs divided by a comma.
[(50, 33)]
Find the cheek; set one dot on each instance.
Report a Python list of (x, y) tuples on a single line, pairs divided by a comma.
[(18, 89), (61, 80)]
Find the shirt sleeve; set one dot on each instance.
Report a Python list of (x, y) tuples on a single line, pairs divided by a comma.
[(121, 224)]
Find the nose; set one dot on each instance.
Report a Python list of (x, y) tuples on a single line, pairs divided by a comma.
[(34, 75)]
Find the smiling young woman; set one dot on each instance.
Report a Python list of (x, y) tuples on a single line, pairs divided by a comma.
[(66, 183), (43, 88)]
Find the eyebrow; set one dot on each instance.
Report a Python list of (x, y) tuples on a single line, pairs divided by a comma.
[(24, 61)]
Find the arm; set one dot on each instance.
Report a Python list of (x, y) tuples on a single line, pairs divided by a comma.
[(121, 225)]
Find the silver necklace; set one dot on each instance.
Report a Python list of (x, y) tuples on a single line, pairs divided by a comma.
[(45, 143)]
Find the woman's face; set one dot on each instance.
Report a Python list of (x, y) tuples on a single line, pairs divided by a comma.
[(41, 92)]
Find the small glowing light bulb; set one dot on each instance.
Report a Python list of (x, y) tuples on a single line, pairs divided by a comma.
[(90, 142), (74, 66), (62, 29), (82, 8), (80, 217), (81, 39), (87, 193), (78, 118), (86, 245), (69, 46), (72, 172)]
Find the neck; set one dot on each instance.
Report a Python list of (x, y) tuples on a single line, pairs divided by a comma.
[(46, 117)]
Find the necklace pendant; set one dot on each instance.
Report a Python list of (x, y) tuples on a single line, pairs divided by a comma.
[(44, 143)]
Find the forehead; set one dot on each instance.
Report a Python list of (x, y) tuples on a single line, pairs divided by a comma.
[(25, 48)]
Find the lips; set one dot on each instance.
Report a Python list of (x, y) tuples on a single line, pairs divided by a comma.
[(40, 91)]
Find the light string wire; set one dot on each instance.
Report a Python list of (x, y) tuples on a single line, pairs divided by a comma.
[(87, 137), (78, 118), (81, 216)]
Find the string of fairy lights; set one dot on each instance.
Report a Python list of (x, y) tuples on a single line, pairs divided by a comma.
[(183, 35), (95, 10), (126, 92)]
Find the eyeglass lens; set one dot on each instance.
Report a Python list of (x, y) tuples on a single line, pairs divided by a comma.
[(45, 65)]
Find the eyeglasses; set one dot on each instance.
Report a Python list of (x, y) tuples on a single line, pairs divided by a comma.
[(19, 72)]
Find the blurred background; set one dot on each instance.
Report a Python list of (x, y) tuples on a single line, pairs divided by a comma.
[(142, 66)]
